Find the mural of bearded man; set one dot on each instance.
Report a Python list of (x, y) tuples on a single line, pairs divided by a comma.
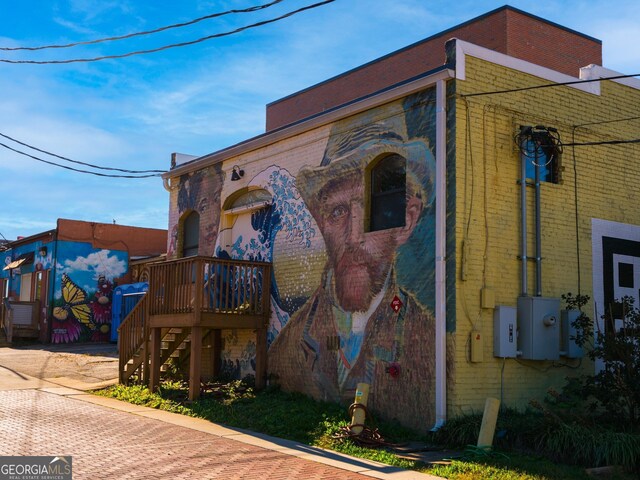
[(367, 197)]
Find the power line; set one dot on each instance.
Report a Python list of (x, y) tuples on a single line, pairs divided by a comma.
[(625, 119), (547, 85), (605, 142), (175, 45), (147, 32), (77, 161), (77, 169)]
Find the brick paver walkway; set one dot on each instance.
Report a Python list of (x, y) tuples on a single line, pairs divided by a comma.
[(109, 444)]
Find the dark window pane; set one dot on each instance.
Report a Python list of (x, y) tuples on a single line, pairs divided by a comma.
[(388, 211), (252, 197), (388, 193), (388, 175), (191, 231), (625, 275)]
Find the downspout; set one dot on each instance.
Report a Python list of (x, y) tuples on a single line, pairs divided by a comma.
[(440, 241), (52, 284), (538, 230)]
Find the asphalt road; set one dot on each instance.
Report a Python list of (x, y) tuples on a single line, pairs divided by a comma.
[(83, 366)]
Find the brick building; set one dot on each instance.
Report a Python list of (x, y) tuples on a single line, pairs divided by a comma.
[(412, 244), (57, 285)]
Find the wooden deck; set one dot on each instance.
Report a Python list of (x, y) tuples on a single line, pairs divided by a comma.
[(199, 294)]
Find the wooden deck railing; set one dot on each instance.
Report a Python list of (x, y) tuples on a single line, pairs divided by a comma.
[(209, 285), (194, 292), (133, 342)]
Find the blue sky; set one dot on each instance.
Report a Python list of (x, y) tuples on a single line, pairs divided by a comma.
[(134, 112)]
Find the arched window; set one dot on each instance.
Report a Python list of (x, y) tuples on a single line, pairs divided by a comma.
[(388, 200), (190, 235), (252, 199)]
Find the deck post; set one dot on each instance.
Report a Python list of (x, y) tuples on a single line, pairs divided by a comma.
[(195, 363), (217, 351), (261, 358), (154, 375)]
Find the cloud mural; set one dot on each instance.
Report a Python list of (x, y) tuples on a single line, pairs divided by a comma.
[(84, 287), (102, 262)]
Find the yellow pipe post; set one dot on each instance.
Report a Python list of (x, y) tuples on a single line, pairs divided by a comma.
[(359, 415), (489, 419)]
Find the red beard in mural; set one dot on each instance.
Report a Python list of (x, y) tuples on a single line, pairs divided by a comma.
[(361, 262)]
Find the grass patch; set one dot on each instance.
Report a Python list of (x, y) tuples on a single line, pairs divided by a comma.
[(507, 468), (296, 417)]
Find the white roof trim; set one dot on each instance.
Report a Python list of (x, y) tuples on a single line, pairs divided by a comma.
[(596, 71), (465, 48), (364, 104)]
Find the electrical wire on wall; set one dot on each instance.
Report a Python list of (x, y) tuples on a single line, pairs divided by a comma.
[(575, 205), (548, 139), (573, 145), (485, 257), (468, 196), (551, 85), (469, 202)]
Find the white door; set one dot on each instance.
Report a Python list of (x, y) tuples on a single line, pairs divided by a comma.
[(25, 287)]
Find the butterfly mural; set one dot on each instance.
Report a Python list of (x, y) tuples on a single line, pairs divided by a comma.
[(72, 314)]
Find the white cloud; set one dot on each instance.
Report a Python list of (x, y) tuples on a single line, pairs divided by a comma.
[(75, 27), (132, 113), (101, 263)]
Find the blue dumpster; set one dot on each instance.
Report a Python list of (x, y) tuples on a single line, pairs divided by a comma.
[(125, 297)]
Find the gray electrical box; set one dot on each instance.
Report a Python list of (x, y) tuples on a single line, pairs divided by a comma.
[(539, 328), (505, 332), (568, 346)]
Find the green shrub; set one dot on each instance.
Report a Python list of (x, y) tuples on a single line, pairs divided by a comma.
[(615, 389), (542, 433)]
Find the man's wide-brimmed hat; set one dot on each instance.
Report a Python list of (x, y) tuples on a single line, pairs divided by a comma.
[(353, 146)]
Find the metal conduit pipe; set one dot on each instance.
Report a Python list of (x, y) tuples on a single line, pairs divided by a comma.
[(523, 223), (538, 230)]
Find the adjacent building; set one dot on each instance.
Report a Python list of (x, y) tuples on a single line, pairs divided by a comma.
[(57, 285)]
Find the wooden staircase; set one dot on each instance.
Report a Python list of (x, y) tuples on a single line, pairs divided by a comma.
[(133, 344), (134, 338), (191, 300)]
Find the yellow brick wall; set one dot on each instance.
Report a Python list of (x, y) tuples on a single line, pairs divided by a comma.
[(488, 214)]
